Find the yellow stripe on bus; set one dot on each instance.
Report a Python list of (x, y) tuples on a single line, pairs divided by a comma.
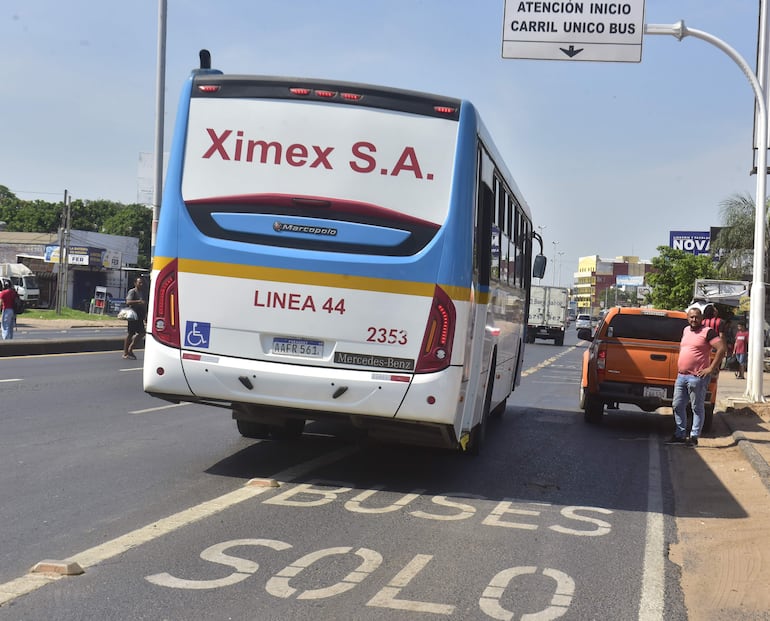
[(303, 277)]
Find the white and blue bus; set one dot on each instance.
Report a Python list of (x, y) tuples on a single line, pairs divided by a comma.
[(338, 250)]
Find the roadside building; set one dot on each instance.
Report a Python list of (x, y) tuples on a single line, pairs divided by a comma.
[(598, 281), (94, 259)]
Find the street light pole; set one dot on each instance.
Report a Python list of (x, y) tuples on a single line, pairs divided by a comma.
[(754, 390), (553, 273), (558, 267), (160, 87)]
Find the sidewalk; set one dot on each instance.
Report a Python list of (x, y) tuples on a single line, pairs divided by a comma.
[(748, 422)]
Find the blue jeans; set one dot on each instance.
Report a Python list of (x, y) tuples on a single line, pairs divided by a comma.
[(8, 323), (692, 389)]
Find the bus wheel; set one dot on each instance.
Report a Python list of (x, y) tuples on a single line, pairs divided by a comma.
[(291, 429), (499, 409), (248, 429), (593, 412), (479, 432)]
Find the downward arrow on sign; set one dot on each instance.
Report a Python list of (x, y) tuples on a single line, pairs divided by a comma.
[(571, 52)]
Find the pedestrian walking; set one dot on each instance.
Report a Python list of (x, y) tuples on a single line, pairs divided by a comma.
[(8, 297), (695, 368), (741, 349), (136, 299)]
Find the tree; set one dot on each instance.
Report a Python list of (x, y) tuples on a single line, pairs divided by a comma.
[(132, 221), (674, 275), (735, 242)]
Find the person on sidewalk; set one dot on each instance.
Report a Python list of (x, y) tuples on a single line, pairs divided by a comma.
[(8, 298), (741, 349), (136, 299), (694, 372)]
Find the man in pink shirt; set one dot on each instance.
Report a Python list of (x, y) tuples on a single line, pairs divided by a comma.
[(695, 369)]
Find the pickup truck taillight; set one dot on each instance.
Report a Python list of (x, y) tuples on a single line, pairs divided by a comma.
[(601, 359)]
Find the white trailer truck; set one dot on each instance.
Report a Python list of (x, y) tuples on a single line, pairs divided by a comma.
[(548, 307), (24, 281)]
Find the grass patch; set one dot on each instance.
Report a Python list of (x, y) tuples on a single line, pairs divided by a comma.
[(66, 313)]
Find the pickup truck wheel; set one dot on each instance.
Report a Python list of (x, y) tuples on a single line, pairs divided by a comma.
[(249, 429), (593, 411)]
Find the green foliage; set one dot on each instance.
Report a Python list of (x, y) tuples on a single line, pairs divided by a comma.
[(100, 216), (674, 275), (735, 243)]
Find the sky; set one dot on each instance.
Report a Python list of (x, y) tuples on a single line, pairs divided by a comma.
[(610, 156)]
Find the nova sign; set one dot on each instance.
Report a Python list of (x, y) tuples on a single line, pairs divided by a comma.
[(599, 31), (694, 242)]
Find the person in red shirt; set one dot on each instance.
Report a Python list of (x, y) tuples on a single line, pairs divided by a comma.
[(695, 369), (741, 349), (8, 297)]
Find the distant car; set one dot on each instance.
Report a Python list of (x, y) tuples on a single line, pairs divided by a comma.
[(583, 321)]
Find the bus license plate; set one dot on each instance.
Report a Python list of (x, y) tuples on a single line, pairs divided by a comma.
[(298, 347)]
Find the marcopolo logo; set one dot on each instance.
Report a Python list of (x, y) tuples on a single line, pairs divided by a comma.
[(286, 227)]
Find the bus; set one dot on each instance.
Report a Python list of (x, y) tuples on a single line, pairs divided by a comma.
[(335, 250)]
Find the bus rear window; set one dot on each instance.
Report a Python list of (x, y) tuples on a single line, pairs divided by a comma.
[(311, 223)]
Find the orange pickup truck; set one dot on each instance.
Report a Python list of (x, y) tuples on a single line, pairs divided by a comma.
[(633, 359)]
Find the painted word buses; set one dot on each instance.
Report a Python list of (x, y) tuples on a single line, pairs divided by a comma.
[(329, 249)]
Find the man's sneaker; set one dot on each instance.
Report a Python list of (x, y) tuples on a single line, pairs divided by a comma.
[(692, 441), (675, 440)]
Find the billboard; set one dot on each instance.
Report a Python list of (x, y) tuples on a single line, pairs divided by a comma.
[(694, 242)]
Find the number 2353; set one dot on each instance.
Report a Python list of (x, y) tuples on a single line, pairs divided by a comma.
[(391, 336)]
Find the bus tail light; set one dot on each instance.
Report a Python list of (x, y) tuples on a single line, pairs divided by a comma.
[(165, 316), (436, 350)]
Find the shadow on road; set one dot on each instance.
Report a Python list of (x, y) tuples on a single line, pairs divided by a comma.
[(550, 457)]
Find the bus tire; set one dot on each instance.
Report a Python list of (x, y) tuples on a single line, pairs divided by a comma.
[(499, 409), (479, 432), (249, 429), (291, 429), (593, 411)]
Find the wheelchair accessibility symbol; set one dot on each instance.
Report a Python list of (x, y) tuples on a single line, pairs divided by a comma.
[(196, 334)]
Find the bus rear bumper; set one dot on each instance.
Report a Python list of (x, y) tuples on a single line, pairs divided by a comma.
[(208, 377)]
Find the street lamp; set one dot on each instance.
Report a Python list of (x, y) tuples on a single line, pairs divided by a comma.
[(558, 266), (553, 273)]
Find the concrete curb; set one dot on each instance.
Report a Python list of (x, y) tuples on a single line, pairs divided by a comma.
[(37, 347), (757, 461)]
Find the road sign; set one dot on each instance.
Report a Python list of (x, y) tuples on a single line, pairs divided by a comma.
[(598, 31)]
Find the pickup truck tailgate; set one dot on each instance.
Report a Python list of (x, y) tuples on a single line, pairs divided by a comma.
[(642, 362)]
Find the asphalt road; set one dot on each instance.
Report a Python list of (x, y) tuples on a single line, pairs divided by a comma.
[(556, 519)]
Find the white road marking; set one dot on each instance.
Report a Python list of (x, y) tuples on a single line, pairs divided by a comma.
[(547, 361), (88, 558), (160, 407), (12, 380), (653, 583)]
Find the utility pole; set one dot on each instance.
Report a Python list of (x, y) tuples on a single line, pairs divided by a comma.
[(61, 266)]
